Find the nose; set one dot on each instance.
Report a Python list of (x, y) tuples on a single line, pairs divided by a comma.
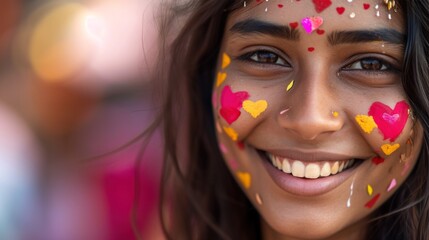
[(312, 108)]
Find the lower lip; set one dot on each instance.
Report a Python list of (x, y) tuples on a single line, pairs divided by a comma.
[(305, 186)]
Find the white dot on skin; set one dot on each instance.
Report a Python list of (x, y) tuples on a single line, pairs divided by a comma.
[(352, 15)]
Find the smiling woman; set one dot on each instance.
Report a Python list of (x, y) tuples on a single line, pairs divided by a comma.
[(298, 120)]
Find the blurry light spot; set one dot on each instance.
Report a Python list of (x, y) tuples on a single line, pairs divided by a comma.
[(59, 45), (94, 27)]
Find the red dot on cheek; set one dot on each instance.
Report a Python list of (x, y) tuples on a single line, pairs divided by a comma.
[(366, 6), (280, 5), (311, 49)]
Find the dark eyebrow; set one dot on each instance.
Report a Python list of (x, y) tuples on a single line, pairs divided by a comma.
[(252, 26), (384, 34)]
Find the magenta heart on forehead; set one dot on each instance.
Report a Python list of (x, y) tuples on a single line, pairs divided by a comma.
[(390, 122), (231, 103)]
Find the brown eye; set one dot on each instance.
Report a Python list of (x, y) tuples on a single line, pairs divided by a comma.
[(369, 64), (266, 57)]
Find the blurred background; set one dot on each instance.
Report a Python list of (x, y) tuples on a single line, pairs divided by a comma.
[(74, 83)]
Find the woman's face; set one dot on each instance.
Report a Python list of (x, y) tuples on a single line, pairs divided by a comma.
[(311, 115)]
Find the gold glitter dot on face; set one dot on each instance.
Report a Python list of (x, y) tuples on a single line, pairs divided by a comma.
[(335, 113)]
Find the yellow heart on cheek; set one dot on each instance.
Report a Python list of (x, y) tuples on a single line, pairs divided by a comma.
[(245, 179), (389, 149), (231, 133), (366, 123), (255, 108), (220, 78)]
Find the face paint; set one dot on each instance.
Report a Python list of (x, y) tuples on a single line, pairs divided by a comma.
[(255, 108), (371, 202), (311, 23), (221, 77), (310, 49), (389, 148), (321, 5), (245, 179), (406, 168), (320, 31), (366, 123), (222, 148), (233, 164), (369, 189), (377, 160), (335, 114), (391, 185), (293, 25), (290, 85), (226, 60), (231, 133), (390, 122), (366, 6), (231, 104), (280, 5), (349, 200), (340, 10)]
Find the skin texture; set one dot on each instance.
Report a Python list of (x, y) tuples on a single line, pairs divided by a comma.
[(327, 79)]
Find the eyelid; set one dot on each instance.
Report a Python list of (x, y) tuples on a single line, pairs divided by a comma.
[(246, 56), (392, 64)]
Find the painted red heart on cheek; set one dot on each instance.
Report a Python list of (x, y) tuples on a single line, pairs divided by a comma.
[(321, 5), (231, 103), (390, 122)]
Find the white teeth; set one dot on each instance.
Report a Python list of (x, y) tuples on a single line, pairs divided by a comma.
[(341, 167), (334, 168), (298, 169), (278, 163), (326, 170), (286, 167), (311, 170)]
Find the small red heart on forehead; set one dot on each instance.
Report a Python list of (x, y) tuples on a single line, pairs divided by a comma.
[(311, 49), (320, 31), (366, 6), (321, 5), (340, 10), (293, 25), (280, 5)]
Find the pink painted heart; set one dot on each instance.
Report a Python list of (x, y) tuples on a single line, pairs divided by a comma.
[(390, 122), (321, 5), (231, 103), (311, 23)]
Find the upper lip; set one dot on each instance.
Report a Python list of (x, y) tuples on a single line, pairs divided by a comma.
[(312, 155)]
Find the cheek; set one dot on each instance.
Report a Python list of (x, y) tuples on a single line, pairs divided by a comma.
[(386, 129), (390, 133)]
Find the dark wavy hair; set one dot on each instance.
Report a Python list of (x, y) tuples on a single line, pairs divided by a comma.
[(199, 197)]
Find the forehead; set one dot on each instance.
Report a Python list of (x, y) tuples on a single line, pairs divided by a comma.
[(336, 15)]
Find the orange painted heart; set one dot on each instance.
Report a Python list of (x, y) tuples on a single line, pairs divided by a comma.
[(390, 122)]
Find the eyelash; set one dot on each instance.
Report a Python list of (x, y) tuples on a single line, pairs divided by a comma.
[(386, 67), (249, 57)]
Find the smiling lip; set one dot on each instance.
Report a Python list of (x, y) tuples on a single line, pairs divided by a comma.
[(311, 184)]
